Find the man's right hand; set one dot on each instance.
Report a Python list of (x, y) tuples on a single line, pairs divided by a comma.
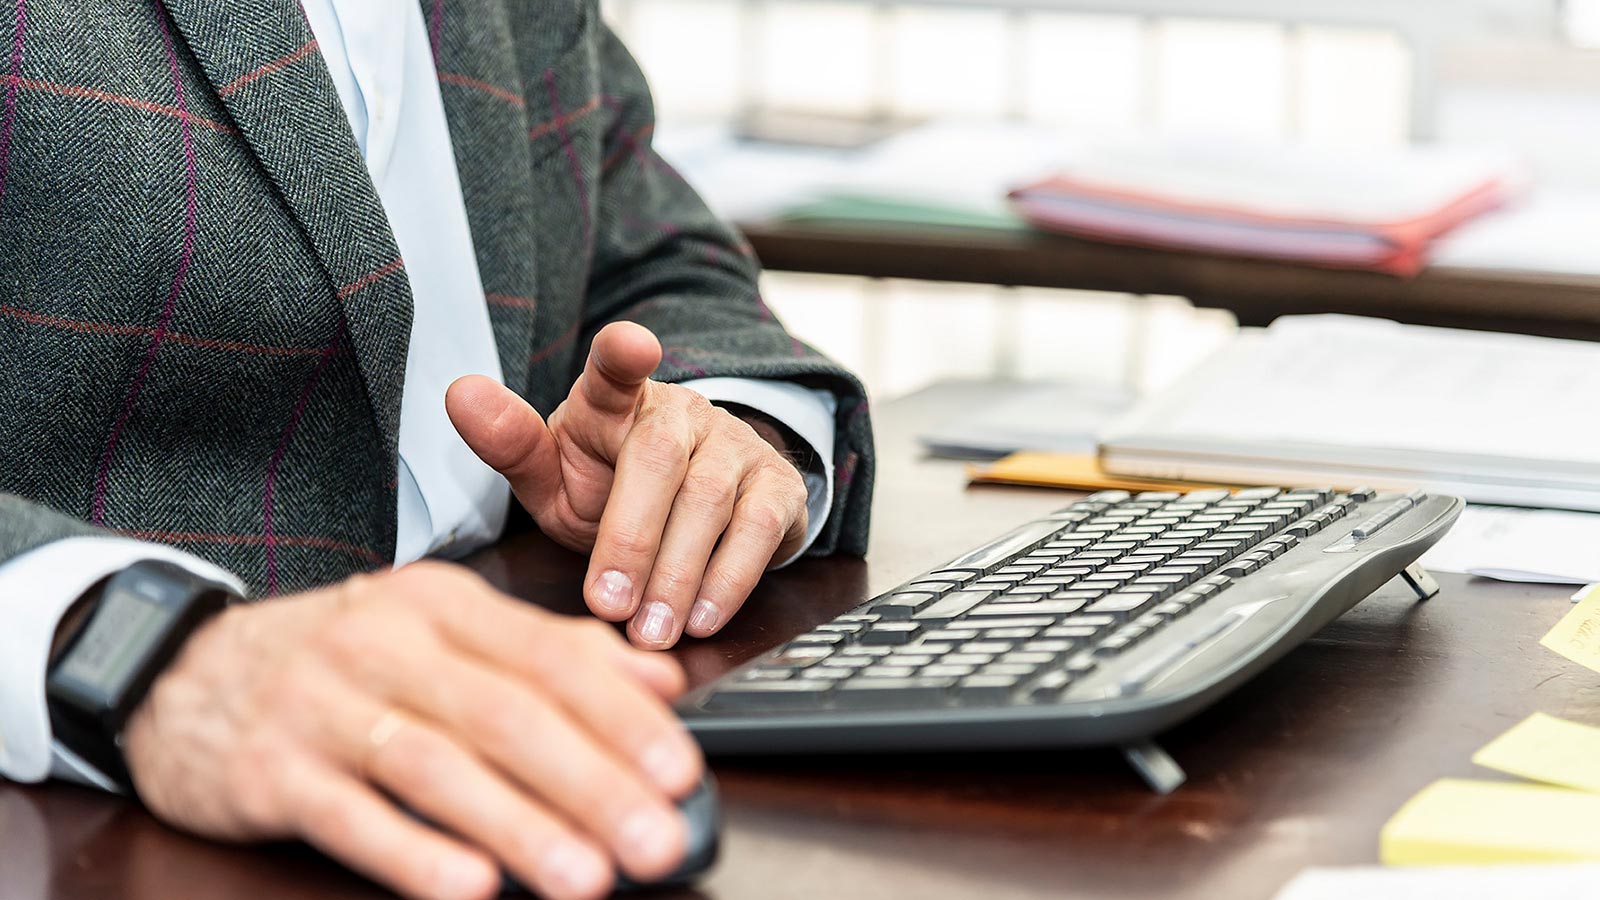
[(535, 743)]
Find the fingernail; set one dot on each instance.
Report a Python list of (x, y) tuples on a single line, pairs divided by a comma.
[(703, 617), (668, 763), (655, 623), (574, 868), (616, 593), (648, 837)]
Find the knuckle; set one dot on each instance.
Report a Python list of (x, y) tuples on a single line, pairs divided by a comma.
[(659, 447), (348, 639), (423, 762), (632, 543), (765, 517), (710, 488), (500, 724)]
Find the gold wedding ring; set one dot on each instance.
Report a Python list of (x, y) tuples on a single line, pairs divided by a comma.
[(383, 731)]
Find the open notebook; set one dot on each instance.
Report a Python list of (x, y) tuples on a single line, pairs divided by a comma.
[(1493, 418)]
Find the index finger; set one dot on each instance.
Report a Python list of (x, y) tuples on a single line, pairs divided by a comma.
[(621, 359)]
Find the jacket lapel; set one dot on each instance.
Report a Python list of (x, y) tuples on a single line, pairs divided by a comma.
[(262, 61), (484, 101)]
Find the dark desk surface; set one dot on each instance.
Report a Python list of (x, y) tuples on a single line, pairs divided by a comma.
[(1256, 291), (1300, 767)]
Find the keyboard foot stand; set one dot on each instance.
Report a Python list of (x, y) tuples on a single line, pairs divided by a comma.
[(1159, 770), (1418, 579)]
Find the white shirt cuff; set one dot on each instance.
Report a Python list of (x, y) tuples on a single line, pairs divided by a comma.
[(36, 590), (809, 413)]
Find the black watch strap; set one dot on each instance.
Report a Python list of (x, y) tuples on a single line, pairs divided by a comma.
[(137, 621)]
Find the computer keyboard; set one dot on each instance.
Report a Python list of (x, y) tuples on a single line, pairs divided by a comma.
[(1103, 623)]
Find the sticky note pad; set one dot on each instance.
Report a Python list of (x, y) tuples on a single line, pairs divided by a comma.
[(1577, 635), (1479, 822), (1547, 749)]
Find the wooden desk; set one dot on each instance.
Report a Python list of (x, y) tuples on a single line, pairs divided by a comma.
[(1302, 766), (1257, 292)]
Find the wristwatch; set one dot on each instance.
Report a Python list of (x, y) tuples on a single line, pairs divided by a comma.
[(130, 627)]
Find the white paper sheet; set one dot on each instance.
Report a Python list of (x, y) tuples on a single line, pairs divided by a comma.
[(1546, 882), (1534, 545)]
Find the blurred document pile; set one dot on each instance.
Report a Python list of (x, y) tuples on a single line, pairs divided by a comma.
[(1379, 210), (1494, 418)]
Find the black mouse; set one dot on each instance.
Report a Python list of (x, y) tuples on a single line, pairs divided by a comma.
[(703, 813)]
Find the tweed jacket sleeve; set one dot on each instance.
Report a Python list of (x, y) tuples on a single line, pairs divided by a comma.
[(662, 259), (25, 525)]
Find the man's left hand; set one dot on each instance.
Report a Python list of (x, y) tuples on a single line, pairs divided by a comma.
[(680, 504)]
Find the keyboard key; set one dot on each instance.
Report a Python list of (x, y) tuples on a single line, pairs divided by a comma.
[(1112, 645), (1074, 633), (1132, 633), (1038, 608), (999, 552), (902, 606), (1050, 685), (956, 635), (1014, 633), (889, 670), (990, 625), (802, 655), (840, 661), (1049, 645), (860, 650), (967, 658), (914, 660), (987, 687), (1020, 670), (1170, 609), (1260, 493), (892, 691), (951, 606), (955, 576), (837, 627), (948, 670), (993, 648), (890, 633), (765, 674), (1122, 605), (1078, 595), (1029, 657), (822, 639), (1090, 621), (792, 694), (1082, 664), (1031, 588)]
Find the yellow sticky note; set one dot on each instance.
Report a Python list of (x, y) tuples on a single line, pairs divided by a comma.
[(1577, 635), (1545, 748), (1455, 821)]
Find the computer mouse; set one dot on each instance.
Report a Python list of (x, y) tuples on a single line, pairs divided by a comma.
[(703, 812)]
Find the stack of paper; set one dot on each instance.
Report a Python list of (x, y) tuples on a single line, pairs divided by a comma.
[(1378, 210), (1494, 418), (1544, 546)]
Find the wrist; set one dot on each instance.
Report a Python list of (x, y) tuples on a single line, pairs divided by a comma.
[(782, 438), (110, 649)]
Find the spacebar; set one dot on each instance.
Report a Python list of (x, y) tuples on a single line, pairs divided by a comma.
[(1004, 548)]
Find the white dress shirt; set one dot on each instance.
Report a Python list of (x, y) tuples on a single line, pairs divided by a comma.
[(449, 502)]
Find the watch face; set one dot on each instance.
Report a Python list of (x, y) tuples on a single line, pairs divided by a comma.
[(130, 622)]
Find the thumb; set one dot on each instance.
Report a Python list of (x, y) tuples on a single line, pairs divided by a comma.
[(508, 435)]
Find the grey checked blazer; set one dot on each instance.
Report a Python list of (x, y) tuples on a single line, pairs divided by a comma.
[(203, 316)]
